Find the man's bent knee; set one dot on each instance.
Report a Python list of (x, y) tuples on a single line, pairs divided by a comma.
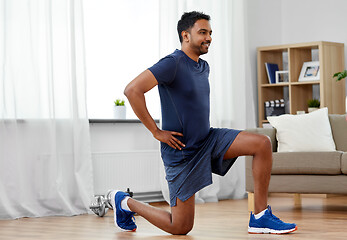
[(265, 143), (182, 228)]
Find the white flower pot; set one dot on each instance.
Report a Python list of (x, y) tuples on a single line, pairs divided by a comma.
[(311, 109), (119, 112)]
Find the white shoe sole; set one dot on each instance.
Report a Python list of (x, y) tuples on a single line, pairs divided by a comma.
[(113, 202), (271, 231)]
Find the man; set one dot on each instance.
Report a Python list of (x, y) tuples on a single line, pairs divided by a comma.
[(190, 149)]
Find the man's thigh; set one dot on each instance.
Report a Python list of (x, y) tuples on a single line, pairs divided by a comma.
[(245, 144), (183, 212)]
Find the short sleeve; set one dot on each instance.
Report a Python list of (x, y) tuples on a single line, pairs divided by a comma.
[(165, 70)]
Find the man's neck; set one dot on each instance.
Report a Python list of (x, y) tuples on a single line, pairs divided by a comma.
[(190, 54)]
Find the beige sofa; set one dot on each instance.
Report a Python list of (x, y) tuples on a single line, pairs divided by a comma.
[(306, 172)]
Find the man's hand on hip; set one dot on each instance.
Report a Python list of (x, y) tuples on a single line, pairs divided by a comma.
[(168, 138)]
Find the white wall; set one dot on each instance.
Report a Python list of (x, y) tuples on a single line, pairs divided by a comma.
[(263, 21), (314, 20), (274, 22)]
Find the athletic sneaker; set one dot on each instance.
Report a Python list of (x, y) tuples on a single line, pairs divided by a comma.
[(123, 219), (269, 223)]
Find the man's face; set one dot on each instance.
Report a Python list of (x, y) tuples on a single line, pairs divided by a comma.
[(199, 36)]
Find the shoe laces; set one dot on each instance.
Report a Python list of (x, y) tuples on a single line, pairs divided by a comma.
[(273, 216)]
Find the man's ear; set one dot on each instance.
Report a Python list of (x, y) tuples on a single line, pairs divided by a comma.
[(185, 36)]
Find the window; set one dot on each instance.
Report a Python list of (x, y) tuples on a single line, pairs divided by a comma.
[(121, 41)]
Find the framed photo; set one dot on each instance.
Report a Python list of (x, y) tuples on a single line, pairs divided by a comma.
[(309, 71), (282, 76)]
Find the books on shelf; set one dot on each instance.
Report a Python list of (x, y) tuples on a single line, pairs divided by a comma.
[(271, 69), (274, 108)]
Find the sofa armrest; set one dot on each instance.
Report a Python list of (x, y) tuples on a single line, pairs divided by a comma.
[(344, 163), (270, 132), (339, 130)]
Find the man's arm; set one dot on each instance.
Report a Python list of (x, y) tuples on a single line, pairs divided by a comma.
[(135, 92)]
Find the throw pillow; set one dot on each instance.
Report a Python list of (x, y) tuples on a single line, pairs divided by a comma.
[(304, 132)]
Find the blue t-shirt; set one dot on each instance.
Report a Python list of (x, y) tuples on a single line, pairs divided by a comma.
[(185, 103)]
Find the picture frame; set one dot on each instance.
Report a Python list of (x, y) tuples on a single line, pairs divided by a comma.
[(309, 71), (282, 76)]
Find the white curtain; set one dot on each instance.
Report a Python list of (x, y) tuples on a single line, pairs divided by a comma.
[(232, 100), (45, 157)]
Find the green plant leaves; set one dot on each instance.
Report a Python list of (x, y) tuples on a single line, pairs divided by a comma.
[(313, 103), (119, 102), (340, 75)]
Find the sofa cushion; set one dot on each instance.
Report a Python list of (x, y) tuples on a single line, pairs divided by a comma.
[(344, 163), (304, 133), (339, 129), (307, 163)]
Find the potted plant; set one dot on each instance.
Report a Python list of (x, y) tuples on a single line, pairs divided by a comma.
[(119, 109), (313, 104), (340, 75)]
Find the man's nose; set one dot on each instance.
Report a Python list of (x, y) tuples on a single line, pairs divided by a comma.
[(209, 38)]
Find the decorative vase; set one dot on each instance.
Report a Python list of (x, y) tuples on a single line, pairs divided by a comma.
[(119, 112), (311, 109)]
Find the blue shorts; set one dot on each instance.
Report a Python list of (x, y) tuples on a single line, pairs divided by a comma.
[(192, 175)]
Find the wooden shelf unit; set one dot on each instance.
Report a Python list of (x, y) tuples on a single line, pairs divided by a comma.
[(291, 57)]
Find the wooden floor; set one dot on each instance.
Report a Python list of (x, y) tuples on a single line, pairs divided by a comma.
[(319, 218)]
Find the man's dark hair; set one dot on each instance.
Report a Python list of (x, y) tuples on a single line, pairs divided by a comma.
[(188, 20)]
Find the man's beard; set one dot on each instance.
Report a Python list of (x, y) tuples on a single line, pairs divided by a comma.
[(202, 49)]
